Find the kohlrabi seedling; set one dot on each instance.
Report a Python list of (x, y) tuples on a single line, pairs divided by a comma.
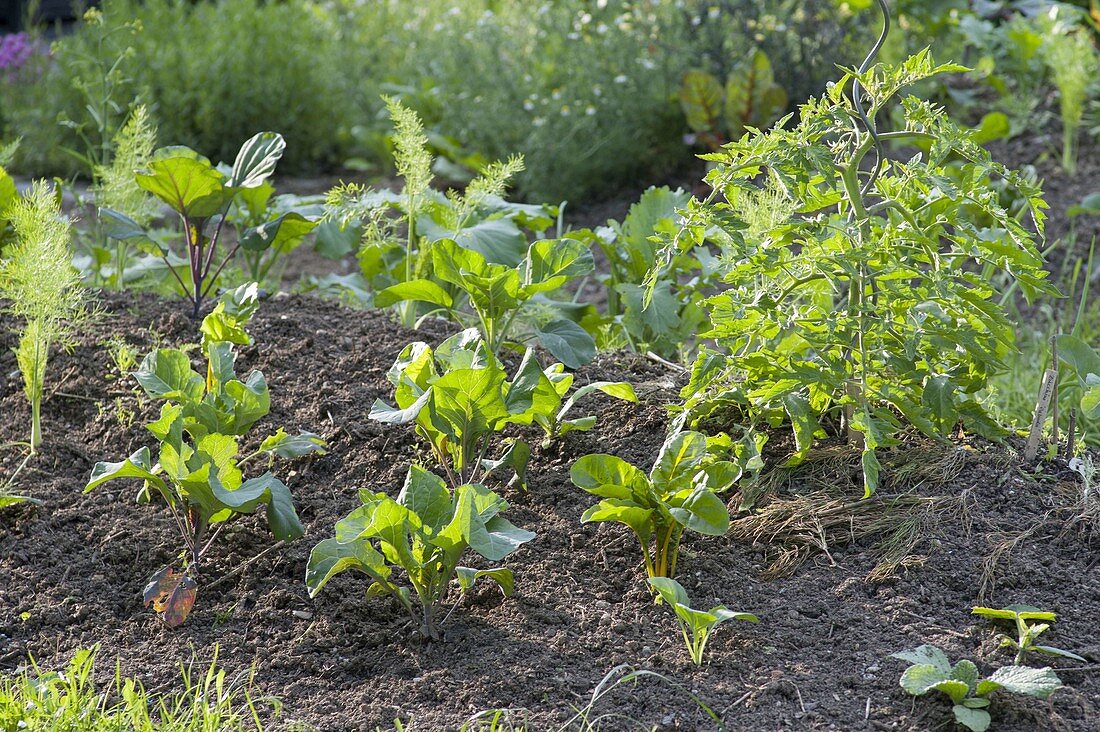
[(679, 493), (696, 625), (198, 468), (932, 671), (460, 398), (1029, 623), (425, 532)]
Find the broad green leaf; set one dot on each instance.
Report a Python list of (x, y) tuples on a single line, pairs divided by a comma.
[(138, 465), (617, 389), (966, 672), (426, 495), (921, 678), (721, 615), (256, 160), (186, 181), (516, 457), (701, 99), (1037, 682), (292, 447), (382, 412), (608, 476), (550, 263), (251, 401), (975, 720), (993, 126), (938, 398), (120, 226), (282, 234), (680, 457), (468, 402), (1078, 355), (167, 374), (267, 490), (927, 655), (498, 241), (503, 577), (567, 342), (1089, 206), (703, 512), (330, 557), (638, 519), (670, 590), (427, 291)]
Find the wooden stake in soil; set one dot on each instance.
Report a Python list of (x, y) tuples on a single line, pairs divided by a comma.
[(1046, 393)]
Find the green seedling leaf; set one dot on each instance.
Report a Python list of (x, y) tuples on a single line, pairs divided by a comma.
[(186, 181), (283, 233), (1089, 206), (330, 558), (1036, 682), (567, 342), (608, 476), (420, 290), (167, 374), (467, 577), (975, 720), (292, 447), (257, 159)]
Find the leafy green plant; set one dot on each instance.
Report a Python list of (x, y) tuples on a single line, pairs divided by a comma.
[(198, 471), (859, 288), (749, 99), (270, 226), (201, 195), (466, 256), (459, 398), (932, 671), (43, 290), (425, 532), (1029, 623), (1073, 61), (630, 248), (696, 625), (680, 493)]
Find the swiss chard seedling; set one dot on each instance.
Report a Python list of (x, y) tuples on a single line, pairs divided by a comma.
[(201, 195), (696, 625), (680, 493), (932, 671), (1029, 623), (424, 532)]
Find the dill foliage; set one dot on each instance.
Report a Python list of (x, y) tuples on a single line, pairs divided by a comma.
[(42, 288)]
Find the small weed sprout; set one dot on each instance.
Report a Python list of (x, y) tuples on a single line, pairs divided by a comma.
[(1029, 623), (696, 625), (43, 290)]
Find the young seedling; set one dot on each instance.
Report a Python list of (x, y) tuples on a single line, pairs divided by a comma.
[(42, 288), (932, 671), (1030, 623), (425, 532), (696, 625), (460, 399), (198, 471), (679, 493)]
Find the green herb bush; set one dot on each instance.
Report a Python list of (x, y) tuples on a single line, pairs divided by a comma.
[(858, 292)]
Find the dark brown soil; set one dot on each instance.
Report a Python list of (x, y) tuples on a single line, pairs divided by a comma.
[(818, 659)]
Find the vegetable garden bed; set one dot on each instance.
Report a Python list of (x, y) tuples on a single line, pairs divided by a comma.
[(72, 568)]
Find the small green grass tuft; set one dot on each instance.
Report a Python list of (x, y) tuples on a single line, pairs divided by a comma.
[(72, 701)]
